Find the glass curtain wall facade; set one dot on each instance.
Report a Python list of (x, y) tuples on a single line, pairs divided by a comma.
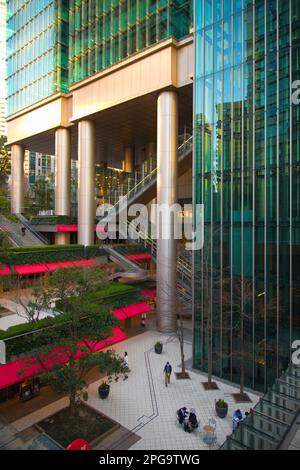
[(246, 169), (105, 32), (55, 43), (37, 50)]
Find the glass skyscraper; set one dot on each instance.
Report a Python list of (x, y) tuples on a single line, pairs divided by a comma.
[(247, 175), (55, 43)]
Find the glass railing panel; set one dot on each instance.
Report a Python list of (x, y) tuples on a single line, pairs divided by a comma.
[(285, 389), (282, 400), (254, 438), (268, 425), (275, 411)]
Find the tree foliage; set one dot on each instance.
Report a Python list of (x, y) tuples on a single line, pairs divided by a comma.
[(72, 349), (4, 161)]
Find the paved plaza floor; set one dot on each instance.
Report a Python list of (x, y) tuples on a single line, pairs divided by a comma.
[(145, 407)]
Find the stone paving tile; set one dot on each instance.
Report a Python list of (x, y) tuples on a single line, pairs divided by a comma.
[(143, 405)]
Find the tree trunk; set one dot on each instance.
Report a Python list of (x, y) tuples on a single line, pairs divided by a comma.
[(182, 359), (73, 405)]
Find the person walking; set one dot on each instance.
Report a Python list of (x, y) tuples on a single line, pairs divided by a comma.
[(125, 364), (167, 372)]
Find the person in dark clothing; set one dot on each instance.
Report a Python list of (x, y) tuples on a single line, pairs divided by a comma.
[(182, 414), (192, 422), (167, 372), (23, 229)]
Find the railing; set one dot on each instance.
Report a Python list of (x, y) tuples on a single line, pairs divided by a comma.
[(184, 267), (141, 182), (34, 232), (16, 239)]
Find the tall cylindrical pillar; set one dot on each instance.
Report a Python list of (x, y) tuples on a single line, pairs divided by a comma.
[(128, 160), (86, 182), (62, 179), (17, 178), (167, 137)]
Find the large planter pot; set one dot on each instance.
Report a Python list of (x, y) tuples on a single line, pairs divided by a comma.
[(103, 391), (222, 411), (158, 348)]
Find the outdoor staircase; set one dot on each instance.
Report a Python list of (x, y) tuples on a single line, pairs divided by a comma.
[(121, 259), (184, 265), (142, 190), (271, 422), (14, 232)]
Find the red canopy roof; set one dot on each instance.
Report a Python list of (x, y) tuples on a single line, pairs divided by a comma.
[(30, 268), (138, 256), (22, 369), (25, 269), (149, 292), (4, 271), (66, 228), (132, 310)]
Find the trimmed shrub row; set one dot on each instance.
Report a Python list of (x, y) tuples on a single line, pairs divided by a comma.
[(47, 255), (53, 220), (26, 337)]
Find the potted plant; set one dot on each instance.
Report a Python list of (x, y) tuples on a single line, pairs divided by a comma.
[(221, 408), (103, 390), (158, 347)]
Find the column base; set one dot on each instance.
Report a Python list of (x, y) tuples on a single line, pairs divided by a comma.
[(62, 238)]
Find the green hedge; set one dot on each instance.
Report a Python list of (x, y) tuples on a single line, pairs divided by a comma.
[(53, 220), (114, 288), (24, 249), (48, 254)]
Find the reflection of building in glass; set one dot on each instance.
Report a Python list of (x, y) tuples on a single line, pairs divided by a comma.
[(3, 129), (247, 175), (39, 165)]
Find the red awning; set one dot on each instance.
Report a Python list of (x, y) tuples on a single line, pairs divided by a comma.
[(138, 256), (149, 292), (4, 271), (66, 228), (16, 371), (30, 268), (132, 310), (25, 368)]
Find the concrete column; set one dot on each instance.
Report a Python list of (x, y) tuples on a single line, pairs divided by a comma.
[(128, 161), (17, 178), (86, 182), (167, 137), (62, 179)]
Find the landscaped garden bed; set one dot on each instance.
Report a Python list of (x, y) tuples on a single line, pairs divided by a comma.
[(48, 254), (87, 423)]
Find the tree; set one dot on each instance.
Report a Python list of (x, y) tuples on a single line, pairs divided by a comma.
[(180, 335), (31, 302), (43, 193), (4, 242), (4, 161), (82, 325)]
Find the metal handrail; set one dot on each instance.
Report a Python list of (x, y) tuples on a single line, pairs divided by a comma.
[(34, 232), (144, 182), (184, 269)]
